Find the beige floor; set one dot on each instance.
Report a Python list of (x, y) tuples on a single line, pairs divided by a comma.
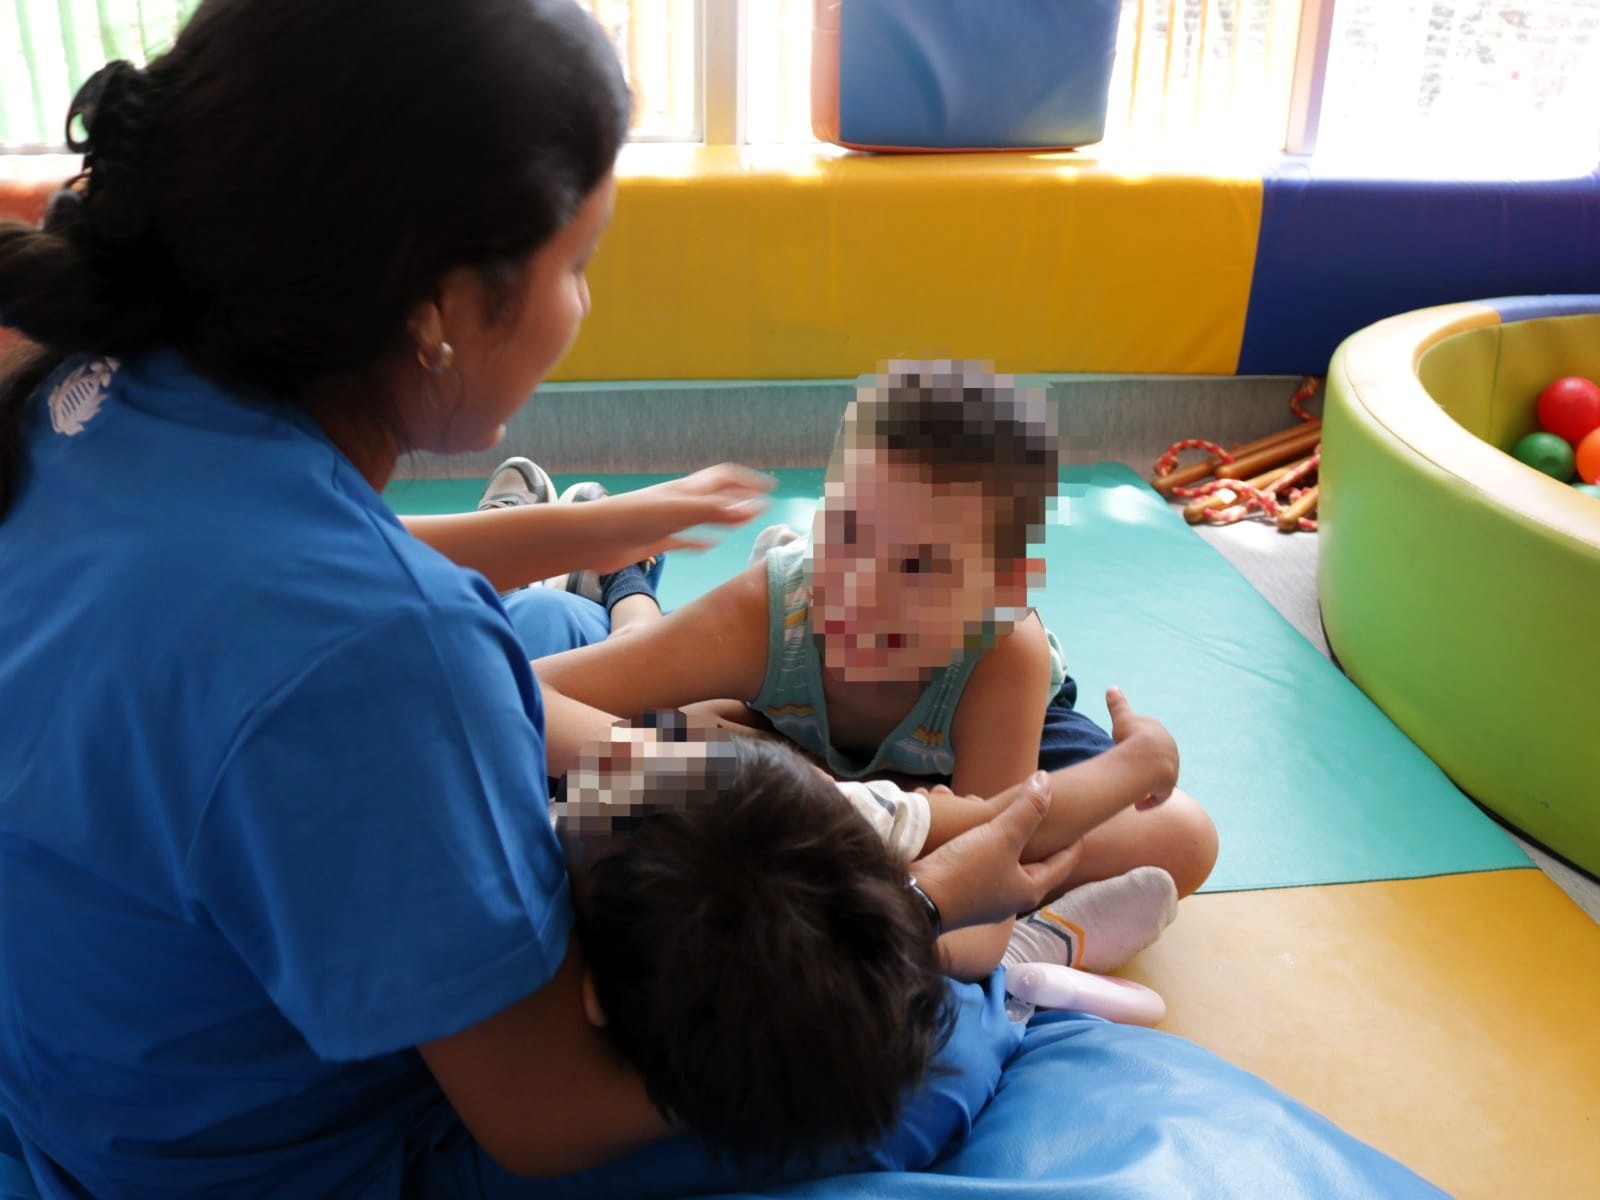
[(1450, 1042), (1283, 568)]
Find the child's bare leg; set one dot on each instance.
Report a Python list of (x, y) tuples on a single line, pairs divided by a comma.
[(1177, 836), (972, 954)]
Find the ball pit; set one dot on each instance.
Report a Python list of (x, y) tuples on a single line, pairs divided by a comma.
[(1458, 585)]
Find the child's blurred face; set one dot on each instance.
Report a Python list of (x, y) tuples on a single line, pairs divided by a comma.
[(903, 569), (634, 770)]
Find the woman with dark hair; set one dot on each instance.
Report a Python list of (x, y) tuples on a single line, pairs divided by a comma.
[(281, 911)]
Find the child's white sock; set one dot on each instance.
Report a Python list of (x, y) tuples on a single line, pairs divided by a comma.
[(1099, 926), (772, 535)]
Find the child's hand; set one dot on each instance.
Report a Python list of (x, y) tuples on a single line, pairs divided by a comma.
[(1151, 740)]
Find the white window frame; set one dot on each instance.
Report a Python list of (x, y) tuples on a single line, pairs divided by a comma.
[(1310, 76), (721, 75)]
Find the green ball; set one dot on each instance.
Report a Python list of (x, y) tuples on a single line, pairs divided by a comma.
[(1588, 489), (1546, 452)]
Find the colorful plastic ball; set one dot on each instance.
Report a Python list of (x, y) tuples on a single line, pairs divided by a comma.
[(1570, 408), (1588, 458), (1548, 453), (1588, 489)]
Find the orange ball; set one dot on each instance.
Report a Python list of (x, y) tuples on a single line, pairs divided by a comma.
[(1588, 457)]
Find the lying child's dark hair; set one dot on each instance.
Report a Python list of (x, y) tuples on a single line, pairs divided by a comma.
[(756, 951)]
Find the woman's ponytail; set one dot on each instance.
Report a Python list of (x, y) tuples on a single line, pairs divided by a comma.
[(274, 195), (92, 278)]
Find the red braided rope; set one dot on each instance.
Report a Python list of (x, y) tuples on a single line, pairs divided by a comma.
[(1248, 499), (1168, 462), (1309, 387)]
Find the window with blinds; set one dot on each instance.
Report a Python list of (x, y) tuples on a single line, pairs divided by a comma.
[(49, 47), (1386, 82), (1215, 71), (1460, 81), (659, 44)]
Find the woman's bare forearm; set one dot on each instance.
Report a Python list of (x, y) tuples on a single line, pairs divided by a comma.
[(511, 547), (541, 1089)]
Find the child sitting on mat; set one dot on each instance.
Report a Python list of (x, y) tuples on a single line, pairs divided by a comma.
[(757, 943), (898, 638)]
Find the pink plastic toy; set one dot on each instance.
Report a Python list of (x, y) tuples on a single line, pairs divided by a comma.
[(1051, 986)]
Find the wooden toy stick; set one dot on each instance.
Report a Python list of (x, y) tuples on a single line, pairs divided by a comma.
[(1304, 442), (1267, 481), (1289, 518), (1201, 470)]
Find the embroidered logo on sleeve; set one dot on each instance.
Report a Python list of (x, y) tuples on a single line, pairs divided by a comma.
[(78, 397)]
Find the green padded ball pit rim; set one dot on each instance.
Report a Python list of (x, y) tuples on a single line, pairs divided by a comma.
[(1460, 588)]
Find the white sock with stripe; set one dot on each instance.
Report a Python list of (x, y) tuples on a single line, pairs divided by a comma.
[(1098, 926)]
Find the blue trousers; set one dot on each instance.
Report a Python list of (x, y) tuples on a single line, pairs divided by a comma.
[(548, 621), (1068, 736)]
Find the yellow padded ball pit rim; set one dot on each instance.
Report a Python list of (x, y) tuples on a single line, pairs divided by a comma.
[(1460, 588)]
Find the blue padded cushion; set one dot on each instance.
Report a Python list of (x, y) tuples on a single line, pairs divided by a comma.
[(1336, 254), (952, 74), (1086, 1110)]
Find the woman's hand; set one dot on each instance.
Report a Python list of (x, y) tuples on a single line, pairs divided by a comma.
[(635, 525), (977, 877), (526, 543)]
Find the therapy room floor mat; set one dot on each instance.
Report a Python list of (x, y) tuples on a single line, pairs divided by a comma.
[(1308, 782), (1387, 954)]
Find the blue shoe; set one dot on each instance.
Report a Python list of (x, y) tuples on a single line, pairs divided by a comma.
[(580, 583), (590, 584)]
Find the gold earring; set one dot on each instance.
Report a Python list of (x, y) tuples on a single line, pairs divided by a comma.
[(439, 361)]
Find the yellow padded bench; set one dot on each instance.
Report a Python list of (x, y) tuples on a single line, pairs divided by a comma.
[(795, 263)]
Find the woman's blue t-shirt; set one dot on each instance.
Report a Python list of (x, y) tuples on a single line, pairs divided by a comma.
[(272, 801)]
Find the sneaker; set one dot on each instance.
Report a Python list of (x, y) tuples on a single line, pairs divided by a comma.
[(587, 583), (580, 583), (516, 482)]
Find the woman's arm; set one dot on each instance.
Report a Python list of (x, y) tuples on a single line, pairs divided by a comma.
[(711, 648), (514, 546), (540, 1088), (978, 877)]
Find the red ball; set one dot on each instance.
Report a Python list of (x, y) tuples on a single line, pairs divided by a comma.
[(1570, 407), (1589, 457)]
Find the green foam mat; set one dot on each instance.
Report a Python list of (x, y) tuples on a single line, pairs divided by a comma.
[(1309, 783)]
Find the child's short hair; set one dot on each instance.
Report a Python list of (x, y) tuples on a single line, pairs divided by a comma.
[(756, 951), (965, 424)]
